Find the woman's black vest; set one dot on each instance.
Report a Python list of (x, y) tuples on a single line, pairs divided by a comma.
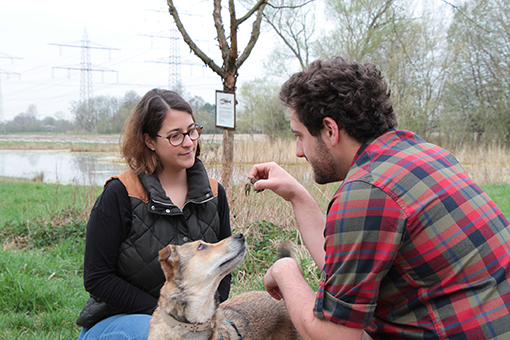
[(157, 222)]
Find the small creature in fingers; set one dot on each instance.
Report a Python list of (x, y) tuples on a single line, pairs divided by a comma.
[(247, 186)]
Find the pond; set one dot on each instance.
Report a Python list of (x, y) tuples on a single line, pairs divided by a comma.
[(84, 168), (94, 168)]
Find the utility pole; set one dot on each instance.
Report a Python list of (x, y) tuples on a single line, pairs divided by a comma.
[(86, 69), (86, 89), (5, 56), (174, 56), (173, 61)]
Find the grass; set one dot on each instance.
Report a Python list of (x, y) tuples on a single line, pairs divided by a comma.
[(41, 291), (43, 229), (500, 193), (26, 200)]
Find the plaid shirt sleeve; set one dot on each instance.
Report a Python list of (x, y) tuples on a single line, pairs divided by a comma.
[(364, 228)]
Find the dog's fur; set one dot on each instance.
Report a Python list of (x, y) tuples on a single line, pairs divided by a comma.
[(193, 272)]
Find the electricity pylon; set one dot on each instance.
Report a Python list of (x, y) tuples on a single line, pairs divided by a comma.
[(85, 68)]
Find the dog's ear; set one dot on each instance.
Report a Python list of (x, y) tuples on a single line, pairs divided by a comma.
[(169, 258)]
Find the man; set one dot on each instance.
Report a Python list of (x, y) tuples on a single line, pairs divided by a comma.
[(412, 248)]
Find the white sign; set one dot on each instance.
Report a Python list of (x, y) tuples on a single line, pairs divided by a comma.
[(225, 110)]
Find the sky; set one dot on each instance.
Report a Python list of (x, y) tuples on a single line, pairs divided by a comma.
[(41, 54)]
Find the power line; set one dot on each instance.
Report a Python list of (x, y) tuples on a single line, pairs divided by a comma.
[(174, 55), (8, 73), (86, 69), (173, 60)]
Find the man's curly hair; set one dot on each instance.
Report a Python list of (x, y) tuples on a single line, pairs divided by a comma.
[(354, 95)]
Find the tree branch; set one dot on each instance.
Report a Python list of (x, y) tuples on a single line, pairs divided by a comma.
[(233, 30), (294, 51), (456, 8), (374, 24), (290, 7), (251, 11), (255, 32), (208, 61), (220, 31)]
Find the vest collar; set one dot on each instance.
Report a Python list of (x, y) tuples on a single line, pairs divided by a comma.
[(199, 189)]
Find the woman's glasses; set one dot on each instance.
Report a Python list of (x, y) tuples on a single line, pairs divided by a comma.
[(176, 139)]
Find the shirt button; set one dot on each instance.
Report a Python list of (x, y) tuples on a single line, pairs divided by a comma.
[(153, 207), (167, 211), (185, 239)]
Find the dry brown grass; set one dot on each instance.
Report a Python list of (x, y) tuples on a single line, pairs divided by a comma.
[(246, 151), (486, 165)]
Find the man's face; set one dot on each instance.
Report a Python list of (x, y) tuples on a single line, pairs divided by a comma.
[(314, 150)]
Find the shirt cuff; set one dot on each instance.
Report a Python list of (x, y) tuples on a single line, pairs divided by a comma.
[(340, 312)]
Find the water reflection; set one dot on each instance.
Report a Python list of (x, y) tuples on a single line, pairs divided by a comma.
[(94, 168), (61, 166)]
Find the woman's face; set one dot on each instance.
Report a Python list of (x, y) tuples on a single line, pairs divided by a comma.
[(174, 158)]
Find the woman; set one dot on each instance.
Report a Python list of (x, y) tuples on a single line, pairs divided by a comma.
[(165, 197)]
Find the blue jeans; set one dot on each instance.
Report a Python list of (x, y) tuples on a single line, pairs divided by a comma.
[(119, 327)]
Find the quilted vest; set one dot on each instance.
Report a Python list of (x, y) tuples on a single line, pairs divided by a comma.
[(157, 222)]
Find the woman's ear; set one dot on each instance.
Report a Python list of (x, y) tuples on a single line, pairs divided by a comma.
[(149, 141), (331, 132)]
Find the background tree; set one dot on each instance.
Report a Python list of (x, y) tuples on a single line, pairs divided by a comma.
[(25, 121), (404, 41), (127, 105), (204, 114), (95, 115), (414, 61), (28, 122), (478, 91), (294, 23), (261, 109)]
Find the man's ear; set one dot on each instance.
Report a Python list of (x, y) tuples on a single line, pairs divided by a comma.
[(331, 132)]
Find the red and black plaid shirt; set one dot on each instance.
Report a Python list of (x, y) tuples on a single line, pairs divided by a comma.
[(415, 249)]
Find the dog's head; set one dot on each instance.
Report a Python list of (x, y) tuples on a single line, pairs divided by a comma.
[(199, 263)]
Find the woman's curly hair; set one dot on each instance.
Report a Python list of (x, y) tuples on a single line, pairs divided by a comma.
[(147, 118), (354, 95)]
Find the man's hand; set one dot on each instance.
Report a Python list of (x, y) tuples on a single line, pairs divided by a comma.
[(286, 266), (273, 177), (309, 218)]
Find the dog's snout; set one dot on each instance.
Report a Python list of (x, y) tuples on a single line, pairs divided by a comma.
[(239, 236)]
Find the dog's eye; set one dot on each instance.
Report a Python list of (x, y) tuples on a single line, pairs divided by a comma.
[(202, 246)]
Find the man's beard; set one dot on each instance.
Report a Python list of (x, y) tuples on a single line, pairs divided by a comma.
[(323, 164)]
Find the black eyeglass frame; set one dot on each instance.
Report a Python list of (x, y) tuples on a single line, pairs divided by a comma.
[(197, 128)]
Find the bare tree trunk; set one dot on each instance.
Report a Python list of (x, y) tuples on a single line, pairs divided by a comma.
[(227, 167)]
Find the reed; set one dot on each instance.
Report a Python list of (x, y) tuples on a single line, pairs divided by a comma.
[(246, 151), (486, 164)]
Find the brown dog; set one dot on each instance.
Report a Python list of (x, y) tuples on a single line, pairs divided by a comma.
[(187, 308)]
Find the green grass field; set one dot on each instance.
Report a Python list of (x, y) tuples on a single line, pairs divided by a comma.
[(41, 262)]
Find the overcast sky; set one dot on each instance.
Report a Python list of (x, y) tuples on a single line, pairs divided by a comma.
[(40, 53)]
